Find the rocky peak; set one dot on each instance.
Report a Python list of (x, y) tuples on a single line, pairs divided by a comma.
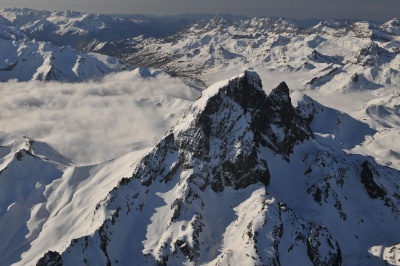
[(219, 138), (245, 91), (392, 26), (285, 128), (281, 93), (219, 20), (372, 54), (372, 47)]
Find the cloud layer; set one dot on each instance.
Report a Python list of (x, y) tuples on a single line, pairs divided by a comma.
[(95, 121)]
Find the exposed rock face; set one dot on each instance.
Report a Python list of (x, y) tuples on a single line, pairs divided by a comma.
[(319, 241), (374, 55), (354, 78), (367, 178), (281, 123), (51, 259)]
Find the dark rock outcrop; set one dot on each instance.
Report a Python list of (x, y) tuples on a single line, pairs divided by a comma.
[(367, 178), (51, 258)]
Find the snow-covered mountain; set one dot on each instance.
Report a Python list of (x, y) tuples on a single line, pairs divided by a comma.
[(35, 45), (24, 59), (31, 60), (246, 178)]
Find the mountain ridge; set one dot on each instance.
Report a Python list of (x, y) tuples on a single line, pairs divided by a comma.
[(179, 190)]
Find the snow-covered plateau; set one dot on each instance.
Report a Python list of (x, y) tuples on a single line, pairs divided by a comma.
[(235, 141)]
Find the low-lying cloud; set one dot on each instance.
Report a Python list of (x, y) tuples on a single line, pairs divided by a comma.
[(95, 121)]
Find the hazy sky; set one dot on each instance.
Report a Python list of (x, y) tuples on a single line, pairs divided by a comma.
[(300, 9)]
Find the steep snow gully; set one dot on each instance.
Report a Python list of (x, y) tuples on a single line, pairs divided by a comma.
[(246, 178)]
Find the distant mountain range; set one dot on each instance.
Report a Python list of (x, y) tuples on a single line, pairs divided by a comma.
[(342, 54), (72, 28), (358, 55), (31, 60)]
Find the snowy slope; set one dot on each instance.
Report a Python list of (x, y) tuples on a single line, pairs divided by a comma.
[(46, 200), (383, 114), (247, 178)]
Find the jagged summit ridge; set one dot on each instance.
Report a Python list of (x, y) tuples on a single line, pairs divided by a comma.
[(220, 136)]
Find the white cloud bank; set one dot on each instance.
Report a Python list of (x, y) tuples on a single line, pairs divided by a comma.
[(95, 121)]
